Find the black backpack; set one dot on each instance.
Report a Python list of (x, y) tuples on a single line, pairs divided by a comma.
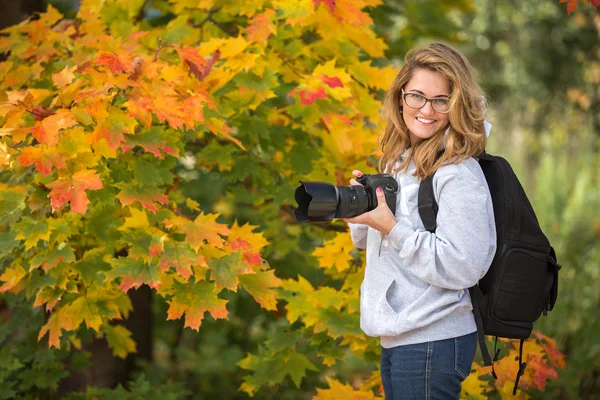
[(522, 281)]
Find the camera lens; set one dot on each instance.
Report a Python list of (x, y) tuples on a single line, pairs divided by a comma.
[(352, 201), (317, 201)]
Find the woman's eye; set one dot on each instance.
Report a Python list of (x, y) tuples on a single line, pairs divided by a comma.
[(441, 102), (417, 96)]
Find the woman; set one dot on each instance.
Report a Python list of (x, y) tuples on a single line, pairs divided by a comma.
[(414, 295)]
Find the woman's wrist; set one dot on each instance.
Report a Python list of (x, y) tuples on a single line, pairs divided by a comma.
[(389, 225)]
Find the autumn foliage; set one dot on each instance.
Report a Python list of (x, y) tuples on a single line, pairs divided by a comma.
[(97, 115)]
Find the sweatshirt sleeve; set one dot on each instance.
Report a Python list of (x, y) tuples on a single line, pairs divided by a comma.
[(358, 233), (460, 252)]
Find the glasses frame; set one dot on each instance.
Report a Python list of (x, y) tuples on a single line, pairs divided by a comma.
[(430, 99)]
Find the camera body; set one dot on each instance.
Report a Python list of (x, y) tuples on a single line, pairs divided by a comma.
[(322, 201)]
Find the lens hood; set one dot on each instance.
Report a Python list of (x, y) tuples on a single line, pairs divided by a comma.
[(317, 201)]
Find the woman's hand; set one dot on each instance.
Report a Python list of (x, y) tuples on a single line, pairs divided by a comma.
[(380, 218)]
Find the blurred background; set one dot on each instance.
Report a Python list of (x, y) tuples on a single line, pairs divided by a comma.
[(540, 69)]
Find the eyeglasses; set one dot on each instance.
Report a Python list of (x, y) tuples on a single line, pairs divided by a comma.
[(416, 100)]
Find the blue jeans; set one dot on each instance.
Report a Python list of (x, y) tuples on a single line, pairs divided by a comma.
[(431, 370)]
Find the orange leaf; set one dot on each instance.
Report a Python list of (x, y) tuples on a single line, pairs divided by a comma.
[(47, 130), (73, 190), (193, 301), (113, 62), (44, 160), (205, 228), (261, 27), (64, 77), (261, 287), (146, 198)]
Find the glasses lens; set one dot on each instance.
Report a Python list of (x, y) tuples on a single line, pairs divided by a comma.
[(441, 105), (414, 100)]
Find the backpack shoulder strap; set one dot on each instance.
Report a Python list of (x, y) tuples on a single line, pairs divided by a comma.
[(428, 207)]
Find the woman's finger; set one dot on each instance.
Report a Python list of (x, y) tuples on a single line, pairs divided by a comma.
[(357, 173)]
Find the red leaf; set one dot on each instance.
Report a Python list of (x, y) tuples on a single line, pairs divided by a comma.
[(307, 98), (73, 190), (595, 3), (332, 82)]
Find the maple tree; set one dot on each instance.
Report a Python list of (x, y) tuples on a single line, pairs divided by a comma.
[(99, 119)]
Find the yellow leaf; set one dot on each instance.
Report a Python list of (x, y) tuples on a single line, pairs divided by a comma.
[(378, 78), (256, 240), (32, 239), (335, 252), (337, 391), (11, 277), (138, 219), (365, 38), (119, 340), (227, 47), (472, 387)]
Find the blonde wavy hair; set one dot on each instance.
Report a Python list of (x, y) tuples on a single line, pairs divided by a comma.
[(466, 137)]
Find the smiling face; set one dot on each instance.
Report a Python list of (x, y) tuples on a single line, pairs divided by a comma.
[(423, 123)]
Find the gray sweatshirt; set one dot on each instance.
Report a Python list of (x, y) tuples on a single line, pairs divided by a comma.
[(415, 287)]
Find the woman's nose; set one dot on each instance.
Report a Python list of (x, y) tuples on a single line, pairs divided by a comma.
[(427, 108)]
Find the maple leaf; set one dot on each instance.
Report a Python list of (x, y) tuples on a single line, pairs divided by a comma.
[(49, 296), (332, 82), (119, 340), (194, 300), (472, 386), (146, 197), (59, 319), (338, 390), (44, 159), (219, 128), (261, 287), (249, 240), (73, 190), (309, 97), (11, 277), (64, 77), (335, 252), (181, 257), (46, 131), (204, 229), (138, 219), (557, 358), (329, 3), (134, 273), (225, 271), (195, 62), (261, 27), (151, 141), (32, 231), (113, 62)]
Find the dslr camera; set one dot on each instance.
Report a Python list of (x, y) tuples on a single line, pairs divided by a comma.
[(322, 201)]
